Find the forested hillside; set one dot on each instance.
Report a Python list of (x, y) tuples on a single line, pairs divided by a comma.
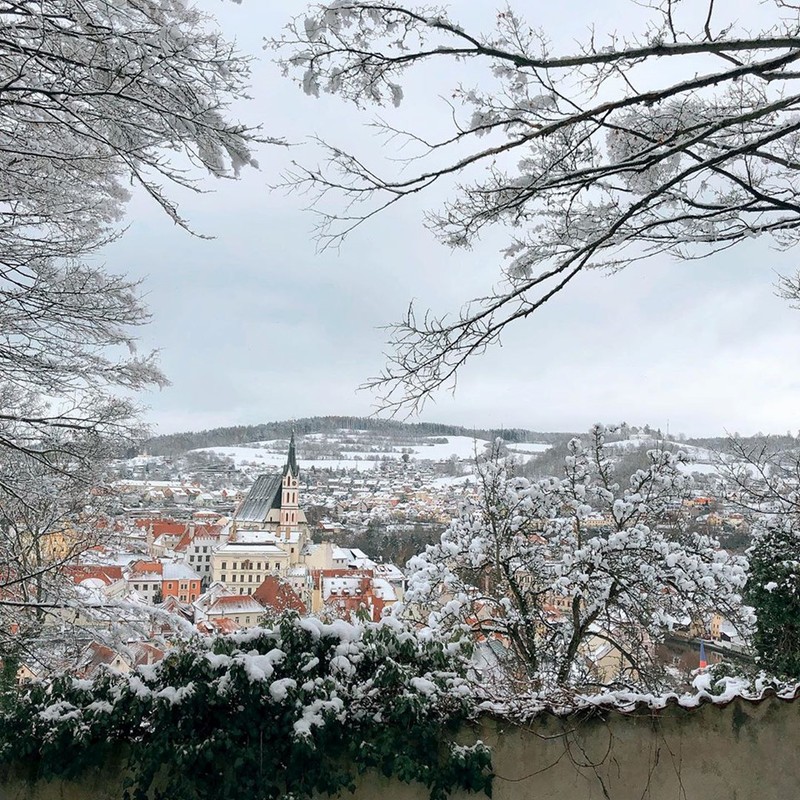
[(177, 443)]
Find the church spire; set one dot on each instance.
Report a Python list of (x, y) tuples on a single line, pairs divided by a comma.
[(291, 461)]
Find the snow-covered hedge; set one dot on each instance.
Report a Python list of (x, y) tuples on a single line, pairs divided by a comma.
[(288, 711)]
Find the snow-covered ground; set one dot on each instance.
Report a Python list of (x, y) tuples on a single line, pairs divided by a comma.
[(527, 449), (703, 461), (252, 456), (272, 453), (700, 469), (697, 453), (453, 480)]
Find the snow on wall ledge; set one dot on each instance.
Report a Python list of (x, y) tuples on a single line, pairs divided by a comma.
[(740, 749)]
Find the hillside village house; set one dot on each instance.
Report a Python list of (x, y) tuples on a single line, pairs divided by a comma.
[(197, 546), (225, 610), (155, 580)]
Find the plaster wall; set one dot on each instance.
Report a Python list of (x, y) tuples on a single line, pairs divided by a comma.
[(735, 752)]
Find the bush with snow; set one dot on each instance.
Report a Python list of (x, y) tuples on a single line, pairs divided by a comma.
[(289, 711)]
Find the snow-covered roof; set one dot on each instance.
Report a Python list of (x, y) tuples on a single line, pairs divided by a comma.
[(238, 548), (234, 604), (178, 571), (383, 589), (256, 537), (390, 572), (340, 585)]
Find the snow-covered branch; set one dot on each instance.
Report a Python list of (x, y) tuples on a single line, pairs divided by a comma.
[(594, 159), (577, 577)]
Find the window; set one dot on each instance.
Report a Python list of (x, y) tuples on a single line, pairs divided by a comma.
[(208, 558), (191, 558), (250, 578), (233, 579), (136, 587), (222, 577), (224, 565), (205, 549), (258, 565), (233, 565), (192, 596), (277, 565)]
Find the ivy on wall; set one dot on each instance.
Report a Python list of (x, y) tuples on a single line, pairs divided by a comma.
[(284, 712)]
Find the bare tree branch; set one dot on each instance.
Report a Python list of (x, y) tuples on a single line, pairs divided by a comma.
[(593, 163)]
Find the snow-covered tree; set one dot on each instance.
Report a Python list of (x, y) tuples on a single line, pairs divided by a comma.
[(679, 139), (47, 520), (577, 576), (95, 98), (764, 481)]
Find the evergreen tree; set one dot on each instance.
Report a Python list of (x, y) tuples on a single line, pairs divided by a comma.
[(773, 589)]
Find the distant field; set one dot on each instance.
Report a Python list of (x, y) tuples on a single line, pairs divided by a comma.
[(273, 452)]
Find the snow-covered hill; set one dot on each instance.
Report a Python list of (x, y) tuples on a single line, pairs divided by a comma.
[(361, 450)]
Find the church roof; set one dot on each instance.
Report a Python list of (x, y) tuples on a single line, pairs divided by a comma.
[(264, 495)]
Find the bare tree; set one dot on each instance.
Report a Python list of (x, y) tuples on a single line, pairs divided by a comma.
[(681, 139), (48, 518), (94, 97)]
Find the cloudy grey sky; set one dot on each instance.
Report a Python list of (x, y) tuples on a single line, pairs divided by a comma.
[(255, 325)]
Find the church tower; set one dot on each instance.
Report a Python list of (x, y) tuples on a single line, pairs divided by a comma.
[(289, 514)]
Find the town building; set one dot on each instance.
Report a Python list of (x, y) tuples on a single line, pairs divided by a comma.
[(267, 536), (224, 610)]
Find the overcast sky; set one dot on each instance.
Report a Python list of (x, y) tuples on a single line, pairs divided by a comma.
[(254, 325)]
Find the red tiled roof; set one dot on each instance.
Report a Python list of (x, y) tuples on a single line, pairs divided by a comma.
[(278, 595), (146, 653), (229, 600), (146, 567), (184, 541), (94, 655), (81, 572), (199, 532), (221, 625)]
